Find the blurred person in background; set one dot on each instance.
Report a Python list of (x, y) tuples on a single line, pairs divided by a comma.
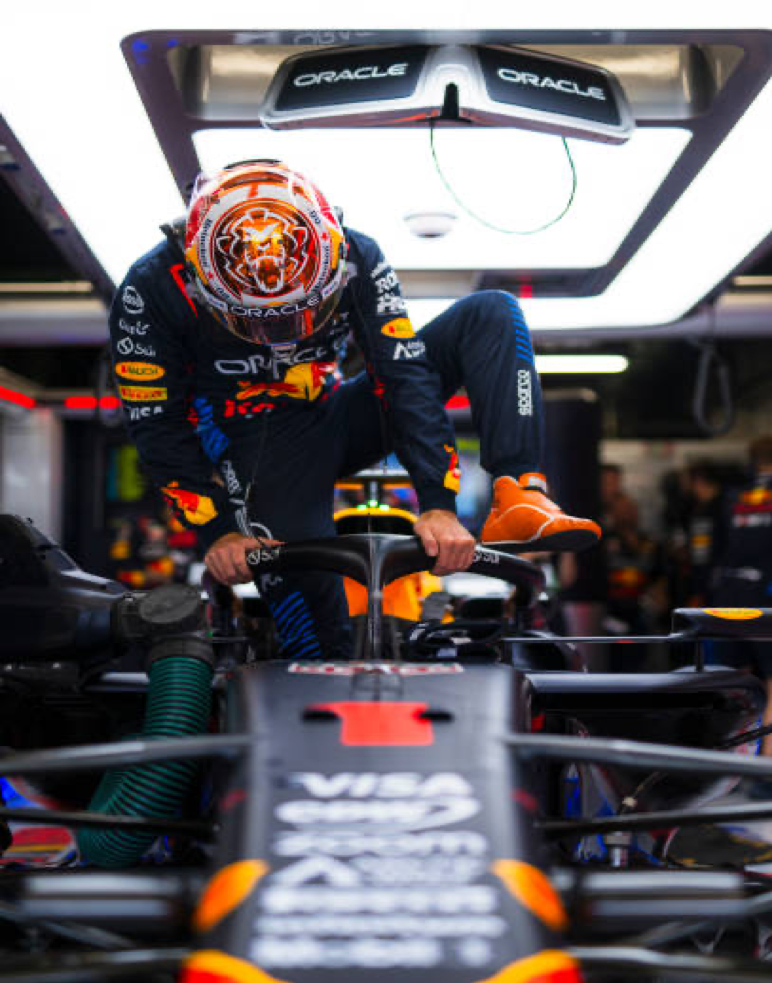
[(150, 549), (635, 576), (704, 528), (744, 574), (616, 504)]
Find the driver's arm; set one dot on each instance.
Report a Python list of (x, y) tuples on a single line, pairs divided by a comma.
[(409, 389), (151, 366)]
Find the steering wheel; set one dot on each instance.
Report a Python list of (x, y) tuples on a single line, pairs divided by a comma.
[(376, 559)]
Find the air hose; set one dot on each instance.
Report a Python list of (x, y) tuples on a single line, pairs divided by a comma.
[(179, 698)]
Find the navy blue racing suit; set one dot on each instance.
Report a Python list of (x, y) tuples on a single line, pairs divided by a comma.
[(221, 423)]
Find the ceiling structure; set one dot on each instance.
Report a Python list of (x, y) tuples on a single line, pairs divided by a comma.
[(658, 227)]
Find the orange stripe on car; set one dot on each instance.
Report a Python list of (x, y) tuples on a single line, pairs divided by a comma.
[(548, 966), (534, 891), (225, 892), (734, 614), (213, 966)]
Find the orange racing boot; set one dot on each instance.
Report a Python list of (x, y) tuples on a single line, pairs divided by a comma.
[(522, 515)]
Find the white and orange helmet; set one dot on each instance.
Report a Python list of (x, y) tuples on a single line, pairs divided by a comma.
[(267, 251)]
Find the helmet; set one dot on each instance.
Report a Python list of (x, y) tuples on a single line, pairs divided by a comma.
[(267, 251)]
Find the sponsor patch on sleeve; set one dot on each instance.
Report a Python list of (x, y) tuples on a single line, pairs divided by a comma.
[(143, 394), (132, 300), (412, 348), (400, 327), (141, 371), (453, 474), (197, 509)]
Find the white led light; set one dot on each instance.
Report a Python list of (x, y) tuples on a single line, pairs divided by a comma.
[(512, 178), (72, 103), (573, 364)]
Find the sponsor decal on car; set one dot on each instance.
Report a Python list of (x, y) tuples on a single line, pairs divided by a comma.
[(141, 371), (399, 328), (143, 394), (373, 668), (486, 556), (265, 555), (197, 509)]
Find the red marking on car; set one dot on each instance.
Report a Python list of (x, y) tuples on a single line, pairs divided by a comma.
[(525, 799), (381, 724), (232, 799)]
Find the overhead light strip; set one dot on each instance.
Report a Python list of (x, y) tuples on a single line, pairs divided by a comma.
[(91, 402), (581, 364), (63, 287)]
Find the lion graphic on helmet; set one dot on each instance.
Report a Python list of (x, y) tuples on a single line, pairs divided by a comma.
[(263, 247)]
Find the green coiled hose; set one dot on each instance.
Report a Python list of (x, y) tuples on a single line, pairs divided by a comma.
[(179, 698)]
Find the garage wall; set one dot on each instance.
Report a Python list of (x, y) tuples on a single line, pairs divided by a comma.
[(31, 472)]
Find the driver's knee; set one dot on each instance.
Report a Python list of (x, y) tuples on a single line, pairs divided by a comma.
[(489, 313)]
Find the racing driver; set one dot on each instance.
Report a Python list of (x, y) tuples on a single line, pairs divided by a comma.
[(226, 346)]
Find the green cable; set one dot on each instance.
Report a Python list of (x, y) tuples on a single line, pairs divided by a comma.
[(490, 225)]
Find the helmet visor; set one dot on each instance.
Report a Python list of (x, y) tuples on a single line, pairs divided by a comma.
[(273, 327)]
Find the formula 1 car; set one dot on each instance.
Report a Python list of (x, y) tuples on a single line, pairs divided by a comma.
[(455, 805)]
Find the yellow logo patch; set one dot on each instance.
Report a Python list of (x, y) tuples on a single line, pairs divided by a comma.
[(734, 614), (141, 371), (399, 328), (143, 394)]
